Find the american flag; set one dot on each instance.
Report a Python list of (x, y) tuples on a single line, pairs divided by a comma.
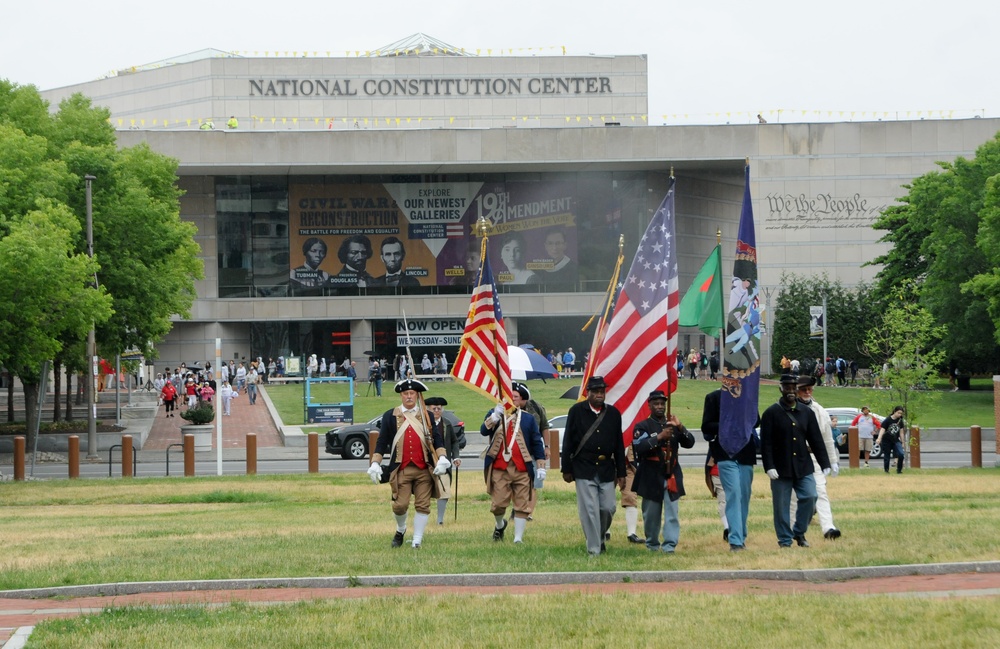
[(639, 351), (482, 362)]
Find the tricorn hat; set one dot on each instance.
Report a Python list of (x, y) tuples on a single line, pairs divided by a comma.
[(596, 383), (521, 389), (410, 384)]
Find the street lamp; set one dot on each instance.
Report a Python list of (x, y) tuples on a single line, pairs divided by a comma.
[(91, 384)]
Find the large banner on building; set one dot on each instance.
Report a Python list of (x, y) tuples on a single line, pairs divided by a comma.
[(422, 234)]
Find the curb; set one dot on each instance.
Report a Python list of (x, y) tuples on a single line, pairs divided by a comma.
[(505, 579)]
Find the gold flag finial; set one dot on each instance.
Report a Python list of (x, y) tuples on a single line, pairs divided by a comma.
[(621, 243), (718, 235), (482, 227)]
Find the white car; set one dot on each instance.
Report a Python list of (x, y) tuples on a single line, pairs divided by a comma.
[(558, 424)]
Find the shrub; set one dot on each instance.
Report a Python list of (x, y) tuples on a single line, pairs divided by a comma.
[(203, 414)]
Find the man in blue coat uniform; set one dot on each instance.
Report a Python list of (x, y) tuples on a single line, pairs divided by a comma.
[(514, 457), (411, 437), (656, 441), (788, 431)]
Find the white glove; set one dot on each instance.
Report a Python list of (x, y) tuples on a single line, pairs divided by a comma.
[(496, 416), (772, 473), (835, 470), (375, 472), (540, 474), (442, 466), (826, 471)]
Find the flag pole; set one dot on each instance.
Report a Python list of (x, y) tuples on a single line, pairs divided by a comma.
[(722, 330), (602, 324), (482, 228), (670, 392)]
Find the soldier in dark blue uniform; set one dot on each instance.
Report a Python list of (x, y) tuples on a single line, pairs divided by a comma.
[(788, 430), (658, 477)]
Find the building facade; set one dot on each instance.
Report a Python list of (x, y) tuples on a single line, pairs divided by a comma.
[(346, 195)]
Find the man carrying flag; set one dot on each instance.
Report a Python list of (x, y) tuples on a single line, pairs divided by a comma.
[(730, 414), (636, 351)]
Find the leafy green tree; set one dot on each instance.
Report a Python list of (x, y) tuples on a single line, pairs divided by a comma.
[(906, 340), (147, 258), (934, 233), (986, 285), (46, 294), (850, 313)]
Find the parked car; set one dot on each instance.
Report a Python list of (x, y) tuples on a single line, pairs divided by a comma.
[(558, 424), (844, 418), (351, 442)]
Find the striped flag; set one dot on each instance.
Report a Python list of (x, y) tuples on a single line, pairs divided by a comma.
[(639, 351), (607, 308), (741, 349), (482, 362)]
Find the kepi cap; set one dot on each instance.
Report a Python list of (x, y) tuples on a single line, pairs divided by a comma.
[(789, 378), (656, 394), (595, 383)]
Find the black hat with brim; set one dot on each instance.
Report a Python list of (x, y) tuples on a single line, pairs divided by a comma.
[(410, 384), (656, 395), (436, 401), (596, 383)]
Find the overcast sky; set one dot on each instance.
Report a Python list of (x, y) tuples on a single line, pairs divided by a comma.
[(709, 62)]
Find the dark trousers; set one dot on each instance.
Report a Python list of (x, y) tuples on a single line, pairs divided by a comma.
[(889, 447)]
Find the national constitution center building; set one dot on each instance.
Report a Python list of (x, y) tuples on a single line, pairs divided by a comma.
[(347, 194)]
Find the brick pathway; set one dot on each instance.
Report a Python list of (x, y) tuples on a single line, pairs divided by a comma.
[(244, 419), (15, 613)]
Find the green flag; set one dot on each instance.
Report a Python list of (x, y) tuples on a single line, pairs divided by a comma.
[(702, 305)]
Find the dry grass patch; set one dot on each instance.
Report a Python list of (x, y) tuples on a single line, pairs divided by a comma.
[(325, 525)]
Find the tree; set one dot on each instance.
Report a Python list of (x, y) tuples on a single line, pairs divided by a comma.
[(986, 285), (147, 259), (906, 340), (46, 294), (850, 313), (935, 232)]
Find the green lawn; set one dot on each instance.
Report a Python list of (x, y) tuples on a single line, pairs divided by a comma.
[(64, 532)]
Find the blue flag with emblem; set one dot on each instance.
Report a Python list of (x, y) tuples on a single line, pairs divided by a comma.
[(741, 347)]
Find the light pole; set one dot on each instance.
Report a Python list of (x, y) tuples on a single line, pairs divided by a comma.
[(90, 391)]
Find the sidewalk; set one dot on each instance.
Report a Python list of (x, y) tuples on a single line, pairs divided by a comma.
[(243, 419), (20, 609)]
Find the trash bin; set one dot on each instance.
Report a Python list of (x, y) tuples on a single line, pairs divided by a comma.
[(963, 383)]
